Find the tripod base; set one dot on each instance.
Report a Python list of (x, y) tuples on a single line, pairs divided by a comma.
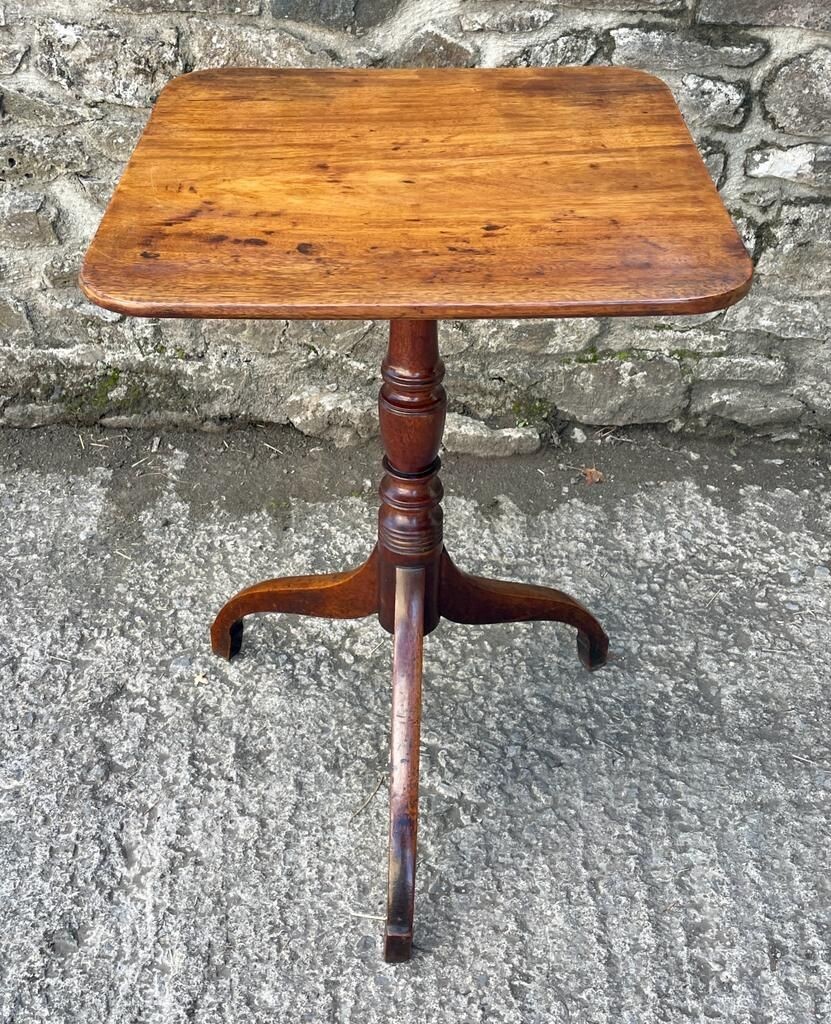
[(462, 598), (410, 582), (475, 600)]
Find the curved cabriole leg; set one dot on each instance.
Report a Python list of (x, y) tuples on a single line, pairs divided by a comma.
[(404, 739), (338, 595), (476, 600)]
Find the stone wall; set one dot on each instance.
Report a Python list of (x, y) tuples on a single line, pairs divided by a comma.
[(753, 78)]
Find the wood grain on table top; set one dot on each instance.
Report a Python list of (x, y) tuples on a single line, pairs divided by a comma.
[(338, 194)]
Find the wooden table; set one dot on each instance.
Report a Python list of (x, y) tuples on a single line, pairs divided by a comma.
[(414, 196)]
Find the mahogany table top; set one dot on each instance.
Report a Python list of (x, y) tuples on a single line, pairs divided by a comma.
[(428, 193)]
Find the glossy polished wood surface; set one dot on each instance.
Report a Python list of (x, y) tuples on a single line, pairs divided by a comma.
[(426, 193)]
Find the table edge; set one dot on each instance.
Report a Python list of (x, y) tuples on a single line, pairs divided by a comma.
[(285, 310), (620, 71)]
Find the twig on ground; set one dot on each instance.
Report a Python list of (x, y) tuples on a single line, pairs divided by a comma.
[(369, 917), (609, 434), (813, 764), (672, 451), (366, 802)]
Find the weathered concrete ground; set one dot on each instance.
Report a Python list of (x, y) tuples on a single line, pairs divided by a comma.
[(187, 840)]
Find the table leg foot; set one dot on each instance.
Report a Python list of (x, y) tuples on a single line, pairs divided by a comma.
[(341, 595), (398, 944), (404, 741), (476, 600), (227, 643)]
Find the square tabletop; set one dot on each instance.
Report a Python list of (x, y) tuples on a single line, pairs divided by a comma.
[(428, 193)]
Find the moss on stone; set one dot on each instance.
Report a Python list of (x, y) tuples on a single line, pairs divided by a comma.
[(133, 398), (689, 354), (589, 356), (100, 397), (623, 355), (88, 401), (529, 411)]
